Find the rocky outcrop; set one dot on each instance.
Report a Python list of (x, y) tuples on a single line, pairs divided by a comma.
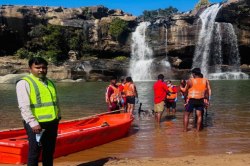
[(12, 69), (237, 12), (180, 38), (175, 36), (93, 20)]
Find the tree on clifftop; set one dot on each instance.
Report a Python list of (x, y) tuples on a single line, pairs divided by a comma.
[(201, 4)]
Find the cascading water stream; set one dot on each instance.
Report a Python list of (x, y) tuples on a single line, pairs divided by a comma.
[(230, 38), (202, 50), (141, 55), (217, 57), (165, 61), (212, 32)]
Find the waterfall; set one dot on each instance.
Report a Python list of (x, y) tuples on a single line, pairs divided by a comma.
[(217, 57), (232, 54), (202, 49), (141, 55), (165, 61)]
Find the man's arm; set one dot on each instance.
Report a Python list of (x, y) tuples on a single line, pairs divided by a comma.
[(209, 90), (108, 94), (135, 90), (23, 92)]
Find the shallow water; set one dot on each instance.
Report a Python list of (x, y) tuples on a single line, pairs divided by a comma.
[(227, 126)]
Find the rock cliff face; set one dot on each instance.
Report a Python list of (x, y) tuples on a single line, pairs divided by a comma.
[(175, 37), (237, 12), (183, 30), (18, 20)]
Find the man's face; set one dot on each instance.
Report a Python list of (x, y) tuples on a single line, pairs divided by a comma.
[(113, 81), (39, 71)]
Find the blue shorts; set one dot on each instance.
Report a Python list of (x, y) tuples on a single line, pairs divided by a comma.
[(195, 104)]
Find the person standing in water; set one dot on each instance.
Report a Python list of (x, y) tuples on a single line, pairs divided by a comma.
[(112, 95), (160, 90), (171, 98), (37, 100), (196, 88), (131, 93), (182, 90)]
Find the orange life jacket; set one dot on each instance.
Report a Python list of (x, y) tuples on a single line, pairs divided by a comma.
[(198, 89), (128, 90), (173, 93), (114, 96)]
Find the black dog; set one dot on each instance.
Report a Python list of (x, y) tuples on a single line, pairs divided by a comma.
[(145, 112)]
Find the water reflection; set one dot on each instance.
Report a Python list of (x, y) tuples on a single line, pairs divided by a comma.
[(227, 126)]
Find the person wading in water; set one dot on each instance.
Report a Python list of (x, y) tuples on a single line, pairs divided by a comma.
[(131, 93), (196, 88), (160, 90)]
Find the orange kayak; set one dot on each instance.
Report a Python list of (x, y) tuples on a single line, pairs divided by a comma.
[(73, 136)]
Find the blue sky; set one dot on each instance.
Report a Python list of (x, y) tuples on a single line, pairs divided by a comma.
[(135, 7)]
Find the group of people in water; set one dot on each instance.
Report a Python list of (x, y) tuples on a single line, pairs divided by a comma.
[(196, 93), (121, 95)]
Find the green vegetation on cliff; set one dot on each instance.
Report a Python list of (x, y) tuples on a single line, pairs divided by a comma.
[(53, 42), (201, 4), (117, 28)]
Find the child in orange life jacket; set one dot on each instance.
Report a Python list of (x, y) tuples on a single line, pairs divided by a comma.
[(112, 95), (171, 98)]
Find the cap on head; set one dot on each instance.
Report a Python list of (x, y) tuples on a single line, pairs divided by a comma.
[(196, 71)]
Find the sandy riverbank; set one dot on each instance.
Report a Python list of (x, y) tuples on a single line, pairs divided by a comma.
[(210, 160)]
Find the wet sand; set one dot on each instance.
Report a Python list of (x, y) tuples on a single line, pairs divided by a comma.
[(209, 160)]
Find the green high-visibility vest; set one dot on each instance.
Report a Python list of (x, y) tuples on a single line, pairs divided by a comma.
[(43, 99)]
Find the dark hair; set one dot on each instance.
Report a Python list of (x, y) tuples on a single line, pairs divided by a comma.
[(183, 82), (196, 71), (37, 61), (160, 77), (113, 78), (129, 79), (168, 81)]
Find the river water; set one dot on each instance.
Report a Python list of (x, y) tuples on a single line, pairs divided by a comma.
[(227, 126)]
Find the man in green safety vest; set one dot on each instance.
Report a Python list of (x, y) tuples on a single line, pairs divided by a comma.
[(37, 101)]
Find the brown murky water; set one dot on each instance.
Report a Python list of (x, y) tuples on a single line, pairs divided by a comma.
[(227, 126)]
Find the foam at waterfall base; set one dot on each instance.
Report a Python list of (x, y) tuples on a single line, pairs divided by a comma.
[(228, 76)]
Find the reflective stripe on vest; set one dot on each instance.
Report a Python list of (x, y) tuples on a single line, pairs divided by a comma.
[(199, 86), (43, 100)]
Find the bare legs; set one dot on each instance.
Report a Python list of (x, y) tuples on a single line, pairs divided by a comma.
[(158, 117), (186, 120), (130, 108), (168, 111), (199, 119)]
